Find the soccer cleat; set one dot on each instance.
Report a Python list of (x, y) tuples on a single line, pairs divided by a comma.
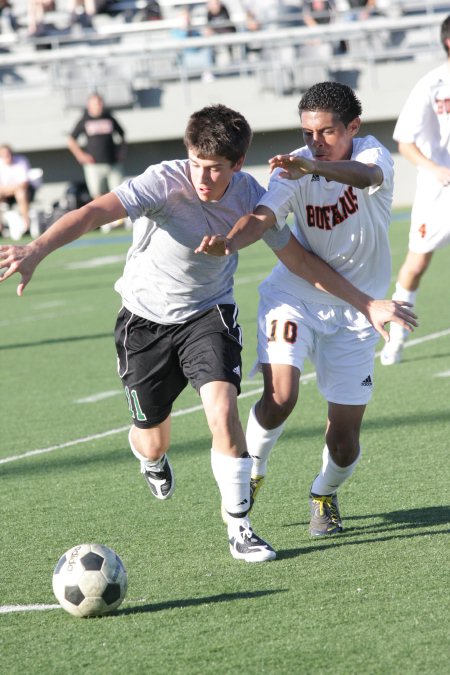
[(325, 516), (246, 545), (255, 484), (391, 353), (160, 478)]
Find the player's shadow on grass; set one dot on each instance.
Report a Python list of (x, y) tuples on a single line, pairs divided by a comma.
[(195, 602), (398, 525), (410, 358), (62, 459), (374, 424), (58, 341)]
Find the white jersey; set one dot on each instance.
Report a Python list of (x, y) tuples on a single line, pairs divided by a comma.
[(15, 173), (164, 280), (425, 117), (425, 121), (345, 226)]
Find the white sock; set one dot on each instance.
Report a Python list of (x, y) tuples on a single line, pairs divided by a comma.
[(145, 462), (398, 333), (260, 442), (401, 293), (331, 475), (232, 475)]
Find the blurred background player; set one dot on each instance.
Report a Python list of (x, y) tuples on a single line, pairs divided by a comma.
[(15, 187), (104, 151), (103, 155), (423, 135)]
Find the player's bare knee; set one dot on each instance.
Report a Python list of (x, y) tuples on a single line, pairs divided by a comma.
[(148, 445), (223, 417), (273, 410), (343, 447)]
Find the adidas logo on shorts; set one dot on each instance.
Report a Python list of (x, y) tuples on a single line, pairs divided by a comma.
[(367, 382), (237, 370)]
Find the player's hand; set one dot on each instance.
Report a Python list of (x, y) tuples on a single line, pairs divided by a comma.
[(442, 174), (21, 259), (85, 158), (216, 244), (380, 312), (292, 167)]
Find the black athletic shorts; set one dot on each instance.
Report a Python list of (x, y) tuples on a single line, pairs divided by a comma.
[(155, 361)]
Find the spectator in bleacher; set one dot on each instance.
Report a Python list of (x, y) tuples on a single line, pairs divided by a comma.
[(360, 10), (192, 58), (261, 14), (218, 18), (152, 11), (8, 18), (83, 11), (104, 152), (317, 12), (218, 22), (15, 186), (36, 11)]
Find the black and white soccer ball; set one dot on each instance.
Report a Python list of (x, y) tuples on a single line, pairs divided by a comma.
[(90, 580)]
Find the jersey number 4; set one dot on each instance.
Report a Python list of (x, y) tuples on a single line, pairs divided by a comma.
[(287, 331)]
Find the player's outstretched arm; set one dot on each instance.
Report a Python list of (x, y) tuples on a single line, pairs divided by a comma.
[(348, 172), (71, 226), (413, 154), (246, 231), (318, 273)]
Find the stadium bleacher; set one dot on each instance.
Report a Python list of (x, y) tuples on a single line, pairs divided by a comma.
[(138, 67)]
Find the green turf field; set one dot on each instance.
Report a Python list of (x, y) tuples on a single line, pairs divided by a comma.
[(373, 600)]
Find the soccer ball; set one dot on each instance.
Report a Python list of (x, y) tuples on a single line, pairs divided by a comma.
[(90, 580)]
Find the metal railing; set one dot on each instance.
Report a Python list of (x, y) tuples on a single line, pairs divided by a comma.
[(145, 53)]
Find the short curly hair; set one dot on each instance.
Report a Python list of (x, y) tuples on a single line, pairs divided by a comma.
[(333, 97), (218, 131), (445, 34)]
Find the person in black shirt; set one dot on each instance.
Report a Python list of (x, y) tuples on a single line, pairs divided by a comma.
[(104, 151)]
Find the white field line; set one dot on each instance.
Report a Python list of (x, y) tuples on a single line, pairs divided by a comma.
[(446, 373), (102, 395), (96, 262), (426, 338), (45, 317), (8, 609)]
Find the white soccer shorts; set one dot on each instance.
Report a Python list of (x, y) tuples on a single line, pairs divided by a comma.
[(430, 219), (337, 339)]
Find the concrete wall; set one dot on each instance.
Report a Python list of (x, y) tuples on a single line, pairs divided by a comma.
[(38, 124), (60, 167)]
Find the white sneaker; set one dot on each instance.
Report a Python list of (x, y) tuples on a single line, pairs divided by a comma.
[(246, 545), (16, 225), (391, 353), (160, 478)]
